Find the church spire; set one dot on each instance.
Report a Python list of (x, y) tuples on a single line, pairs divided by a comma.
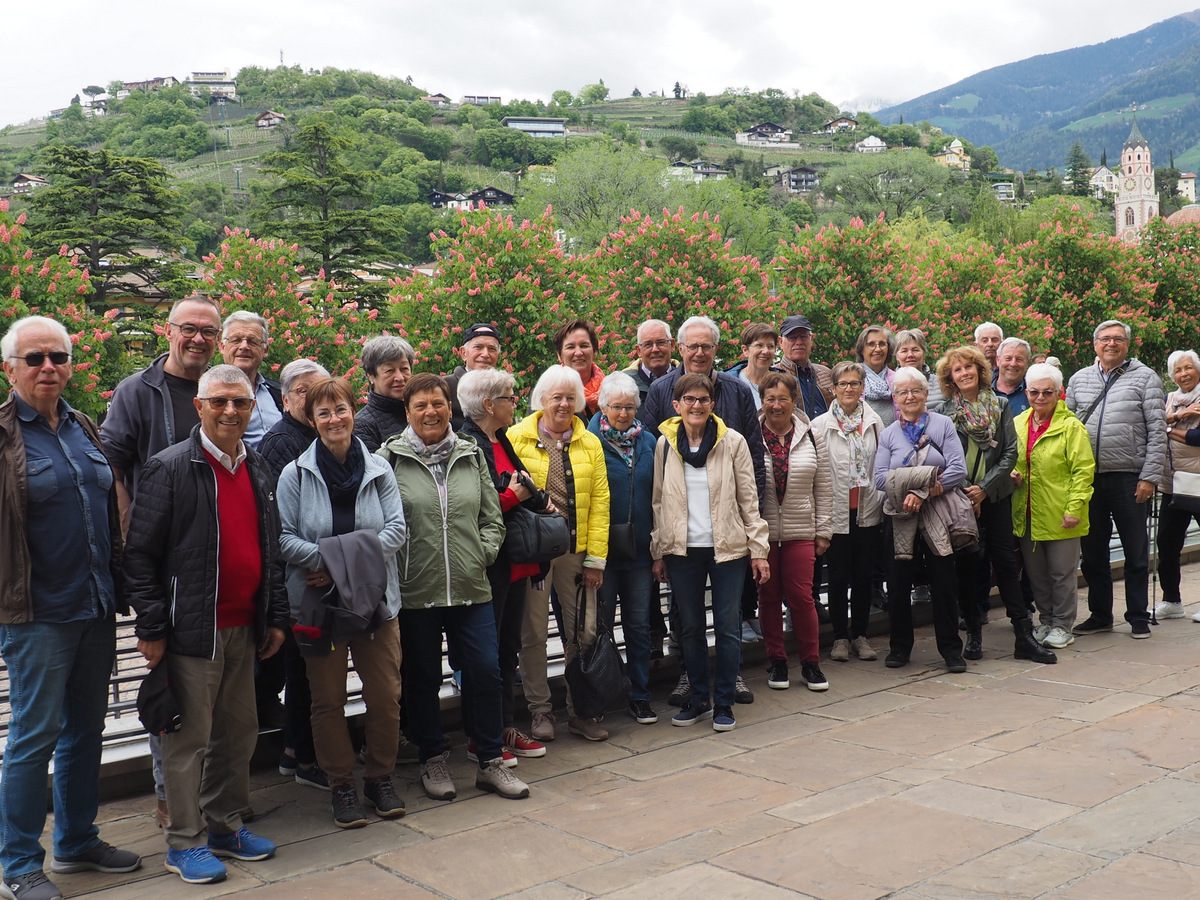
[(1135, 135)]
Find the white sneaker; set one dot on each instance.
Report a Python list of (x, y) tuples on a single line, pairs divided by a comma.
[(1059, 638), (1040, 632), (1196, 617), (1168, 610)]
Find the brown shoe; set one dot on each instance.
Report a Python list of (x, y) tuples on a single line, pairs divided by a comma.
[(542, 728), (589, 729), (162, 815), (863, 649)]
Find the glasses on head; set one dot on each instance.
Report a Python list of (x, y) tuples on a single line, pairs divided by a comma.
[(1033, 392), (1112, 339), (689, 400), (338, 412), (209, 333), (241, 404), (699, 348), (660, 344), (849, 384), (911, 392), (38, 359), (234, 341)]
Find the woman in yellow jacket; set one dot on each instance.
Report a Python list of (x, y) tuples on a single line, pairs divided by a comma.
[(567, 461)]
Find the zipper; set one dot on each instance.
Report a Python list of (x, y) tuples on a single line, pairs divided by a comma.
[(217, 580)]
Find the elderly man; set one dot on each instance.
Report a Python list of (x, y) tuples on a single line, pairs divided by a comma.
[(388, 361), (816, 380), (202, 574), (291, 435), (654, 349), (988, 336), (244, 343), (57, 622), (1013, 357), (1121, 402), (480, 349)]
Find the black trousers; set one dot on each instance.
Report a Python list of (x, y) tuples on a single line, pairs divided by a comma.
[(851, 557), (1172, 530), (943, 588), (997, 554)]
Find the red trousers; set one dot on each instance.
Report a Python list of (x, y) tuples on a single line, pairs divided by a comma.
[(792, 578)]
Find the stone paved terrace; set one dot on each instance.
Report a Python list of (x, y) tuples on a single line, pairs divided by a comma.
[(1080, 780)]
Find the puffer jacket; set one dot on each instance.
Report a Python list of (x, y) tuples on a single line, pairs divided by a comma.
[(738, 528), (808, 494), (283, 443), (306, 516), (998, 461), (588, 516), (380, 419), (1126, 429), (946, 522), (445, 559), (1181, 457), (620, 475), (1057, 480), (837, 446)]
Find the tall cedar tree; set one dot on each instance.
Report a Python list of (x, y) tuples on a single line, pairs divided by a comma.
[(1079, 171)]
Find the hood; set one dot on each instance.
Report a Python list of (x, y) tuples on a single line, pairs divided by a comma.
[(670, 429), (527, 428)]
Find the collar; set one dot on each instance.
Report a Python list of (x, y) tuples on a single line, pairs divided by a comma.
[(1108, 373), (228, 462), (29, 415), (1019, 389), (390, 404)]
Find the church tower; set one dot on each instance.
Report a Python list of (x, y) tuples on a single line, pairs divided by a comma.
[(1137, 201)]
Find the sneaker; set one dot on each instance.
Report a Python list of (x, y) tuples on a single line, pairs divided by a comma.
[(1058, 638), (1140, 630), (507, 755), (542, 727), (683, 690), (750, 631), (495, 778), (242, 844), (587, 728), (519, 743), (312, 776), (741, 691), (896, 660), (380, 795), (863, 649), (1169, 610), (1041, 632), (196, 865), (347, 811), (811, 673), (777, 675), (31, 886), (1092, 625), (436, 778), (840, 651), (642, 712), (287, 764), (723, 719), (407, 752), (100, 857), (692, 713)]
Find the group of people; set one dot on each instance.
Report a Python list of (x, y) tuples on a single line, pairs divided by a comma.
[(264, 533)]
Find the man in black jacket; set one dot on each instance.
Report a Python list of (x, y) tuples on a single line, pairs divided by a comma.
[(204, 578), (293, 433)]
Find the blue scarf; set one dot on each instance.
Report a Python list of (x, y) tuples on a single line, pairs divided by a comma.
[(914, 431)]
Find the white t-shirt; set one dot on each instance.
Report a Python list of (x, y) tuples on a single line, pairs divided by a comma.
[(699, 526)]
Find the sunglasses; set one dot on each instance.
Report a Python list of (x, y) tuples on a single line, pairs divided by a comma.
[(36, 360), (241, 404)]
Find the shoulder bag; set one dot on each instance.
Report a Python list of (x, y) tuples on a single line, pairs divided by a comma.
[(596, 674)]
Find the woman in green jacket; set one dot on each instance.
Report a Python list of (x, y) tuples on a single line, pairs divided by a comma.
[(1050, 507)]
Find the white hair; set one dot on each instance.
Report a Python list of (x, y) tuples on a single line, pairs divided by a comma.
[(1113, 323), (298, 368), (1011, 342), (650, 323), (1054, 361), (250, 318), (557, 376), (8, 344), (616, 386), (983, 326), (479, 385), (1044, 372), (701, 320), (223, 374), (1176, 356), (909, 373)]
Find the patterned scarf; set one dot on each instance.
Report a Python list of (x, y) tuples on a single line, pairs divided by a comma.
[(433, 455), (621, 441), (851, 425), (914, 431), (878, 385), (779, 447), (980, 418)]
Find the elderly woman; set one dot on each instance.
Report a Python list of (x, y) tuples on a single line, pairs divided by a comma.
[(576, 343), (337, 489), (851, 431), (567, 461), (455, 529), (875, 349), (797, 508), (989, 443), (911, 350), (920, 460), (1053, 475), (629, 457), (488, 402), (706, 525), (1183, 454), (388, 362)]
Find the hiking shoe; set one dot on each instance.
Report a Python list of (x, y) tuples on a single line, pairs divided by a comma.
[(811, 673), (1041, 632), (642, 712), (520, 744), (242, 844), (587, 728), (195, 865), (723, 719), (973, 647), (100, 857), (741, 691), (436, 778), (31, 886), (955, 664), (863, 649), (692, 713), (1058, 638), (312, 776), (542, 727), (347, 811), (1141, 629), (840, 651), (495, 778), (777, 675), (380, 795), (507, 755), (1092, 625), (287, 764), (683, 690), (1169, 610), (896, 660)]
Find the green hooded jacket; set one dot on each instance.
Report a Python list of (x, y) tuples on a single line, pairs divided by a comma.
[(1059, 478)]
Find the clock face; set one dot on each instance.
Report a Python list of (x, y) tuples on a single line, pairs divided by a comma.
[(1130, 184), (1149, 182), (1129, 235)]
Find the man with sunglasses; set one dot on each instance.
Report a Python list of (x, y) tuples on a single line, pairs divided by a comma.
[(202, 572)]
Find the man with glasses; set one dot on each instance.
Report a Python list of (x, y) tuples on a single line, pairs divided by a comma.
[(244, 342), (202, 572), (816, 380), (1121, 402), (654, 349)]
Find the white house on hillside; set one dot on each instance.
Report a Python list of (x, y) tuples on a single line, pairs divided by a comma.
[(766, 134), (870, 144), (1104, 182), (220, 85), (537, 126), (841, 123), (269, 119), (1187, 186), (27, 184)]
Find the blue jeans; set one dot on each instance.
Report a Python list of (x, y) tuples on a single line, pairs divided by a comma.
[(633, 582), (688, 575), (58, 682)]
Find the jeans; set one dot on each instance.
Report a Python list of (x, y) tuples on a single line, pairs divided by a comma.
[(997, 553), (851, 560), (943, 591), (58, 686), (1172, 530), (633, 582), (1113, 503), (688, 575), (791, 581)]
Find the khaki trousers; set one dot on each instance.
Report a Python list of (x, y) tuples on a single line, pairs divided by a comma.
[(536, 626)]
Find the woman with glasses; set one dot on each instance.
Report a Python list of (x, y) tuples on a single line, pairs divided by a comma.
[(852, 430), (911, 350), (875, 349), (1183, 455)]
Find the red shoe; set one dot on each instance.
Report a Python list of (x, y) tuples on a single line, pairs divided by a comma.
[(522, 744), (509, 759)]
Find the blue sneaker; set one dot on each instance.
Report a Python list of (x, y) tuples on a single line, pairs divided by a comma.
[(196, 865), (242, 844), (723, 719), (692, 713)]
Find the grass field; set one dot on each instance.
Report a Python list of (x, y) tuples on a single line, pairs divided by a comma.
[(640, 112), (1164, 106)]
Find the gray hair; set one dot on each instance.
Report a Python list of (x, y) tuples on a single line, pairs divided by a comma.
[(1044, 372), (1177, 355), (8, 344), (479, 385), (915, 335), (701, 320), (849, 366), (908, 373), (557, 376), (1112, 323), (385, 349), (1015, 342), (615, 386), (223, 374), (982, 325), (861, 343), (203, 299), (250, 318), (298, 368), (650, 323)]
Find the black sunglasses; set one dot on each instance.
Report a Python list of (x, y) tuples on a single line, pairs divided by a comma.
[(36, 360)]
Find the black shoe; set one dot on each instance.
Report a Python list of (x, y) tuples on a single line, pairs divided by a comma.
[(683, 690), (1092, 625), (1141, 629), (777, 675), (642, 712), (741, 691), (973, 648), (287, 764), (347, 811), (1027, 647), (381, 796), (312, 776), (811, 673), (955, 664), (896, 660)]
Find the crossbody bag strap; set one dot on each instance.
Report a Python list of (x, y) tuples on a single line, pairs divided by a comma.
[(1104, 393)]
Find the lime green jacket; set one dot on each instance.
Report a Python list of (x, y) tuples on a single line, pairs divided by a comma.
[(1058, 478)]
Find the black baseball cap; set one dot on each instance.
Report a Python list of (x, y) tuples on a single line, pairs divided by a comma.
[(794, 323), (157, 706), (480, 329)]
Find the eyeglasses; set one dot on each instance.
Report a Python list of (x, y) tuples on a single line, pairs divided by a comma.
[(689, 400), (338, 412), (622, 409), (911, 392), (660, 344), (849, 384), (248, 341), (241, 404), (511, 398), (1036, 393), (190, 331), (37, 360), (699, 348), (1112, 339)]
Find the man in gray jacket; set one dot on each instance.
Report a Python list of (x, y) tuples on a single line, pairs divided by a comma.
[(1121, 402)]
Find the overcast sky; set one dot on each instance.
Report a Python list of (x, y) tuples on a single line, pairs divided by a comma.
[(865, 53)]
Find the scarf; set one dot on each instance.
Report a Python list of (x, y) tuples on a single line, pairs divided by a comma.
[(342, 480), (914, 431), (698, 458), (436, 455), (851, 425), (621, 441), (1177, 400), (779, 447), (591, 389), (878, 385), (979, 419)]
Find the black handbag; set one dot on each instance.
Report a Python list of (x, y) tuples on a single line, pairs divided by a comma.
[(596, 674), (622, 541), (535, 537)]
